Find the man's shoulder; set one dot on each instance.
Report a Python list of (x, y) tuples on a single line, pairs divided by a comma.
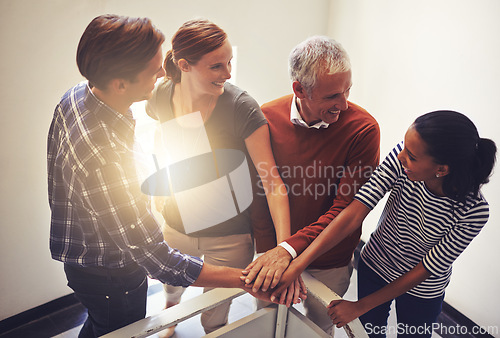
[(75, 103), (279, 102), (85, 121), (279, 106), (360, 114), (77, 91)]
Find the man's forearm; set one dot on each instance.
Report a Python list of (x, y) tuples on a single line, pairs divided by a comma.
[(219, 276), (225, 277)]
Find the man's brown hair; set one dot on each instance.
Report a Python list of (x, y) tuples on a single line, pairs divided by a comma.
[(115, 46)]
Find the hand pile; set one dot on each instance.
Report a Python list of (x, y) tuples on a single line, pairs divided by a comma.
[(275, 277), (271, 275)]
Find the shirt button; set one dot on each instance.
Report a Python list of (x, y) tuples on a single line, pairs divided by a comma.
[(107, 297)]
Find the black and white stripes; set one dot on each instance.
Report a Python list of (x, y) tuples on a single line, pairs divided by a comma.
[(417, 226)]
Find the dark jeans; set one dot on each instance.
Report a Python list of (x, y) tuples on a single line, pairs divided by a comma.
[(113, 298), (415, 315)]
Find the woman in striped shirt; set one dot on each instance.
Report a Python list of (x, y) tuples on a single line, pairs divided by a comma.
[(434, 210)]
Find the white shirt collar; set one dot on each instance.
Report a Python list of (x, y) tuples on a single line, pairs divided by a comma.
[(296, 119)]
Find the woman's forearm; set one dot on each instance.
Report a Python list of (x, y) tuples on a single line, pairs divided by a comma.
[(277, 199), (342, 226), (395, 289), (259, 148)]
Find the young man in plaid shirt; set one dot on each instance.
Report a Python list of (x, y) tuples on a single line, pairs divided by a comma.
[(101, 227)]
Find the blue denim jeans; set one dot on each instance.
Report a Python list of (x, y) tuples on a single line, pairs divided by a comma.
[(113, 299), (415, 315)]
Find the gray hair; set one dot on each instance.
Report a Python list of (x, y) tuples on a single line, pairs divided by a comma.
[(315, 56)]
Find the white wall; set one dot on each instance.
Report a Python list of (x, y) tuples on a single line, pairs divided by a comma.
[(38, 42), (412, 57)]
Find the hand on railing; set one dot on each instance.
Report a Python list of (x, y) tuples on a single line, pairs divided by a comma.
[(342, 311)]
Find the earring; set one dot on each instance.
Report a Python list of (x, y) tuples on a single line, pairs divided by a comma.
[(437, 175)]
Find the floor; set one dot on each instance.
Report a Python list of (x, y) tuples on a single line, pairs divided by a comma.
[(67, 322)]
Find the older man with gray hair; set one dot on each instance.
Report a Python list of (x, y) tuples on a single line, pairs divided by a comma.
[(325, 147)]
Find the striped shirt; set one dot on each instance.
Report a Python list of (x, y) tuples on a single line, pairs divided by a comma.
[(417, 226), (100, 218)]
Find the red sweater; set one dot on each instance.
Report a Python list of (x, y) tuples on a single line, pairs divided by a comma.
[(322, 169)]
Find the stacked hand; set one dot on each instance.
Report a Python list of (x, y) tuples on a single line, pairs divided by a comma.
[(266, 272), (275, 277), (259, 294)]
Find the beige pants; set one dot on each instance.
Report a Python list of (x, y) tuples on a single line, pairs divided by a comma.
[(234, 251)]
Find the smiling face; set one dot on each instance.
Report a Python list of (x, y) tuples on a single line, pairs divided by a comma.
[(210, 73), (418, 165), (327, 100)]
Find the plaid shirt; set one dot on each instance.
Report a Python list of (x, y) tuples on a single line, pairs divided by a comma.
[(99, 215)]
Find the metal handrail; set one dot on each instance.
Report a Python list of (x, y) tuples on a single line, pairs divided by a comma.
[(206, 301)]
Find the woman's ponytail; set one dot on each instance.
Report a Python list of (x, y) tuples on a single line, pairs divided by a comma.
[(485, 160), (173, 73)]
